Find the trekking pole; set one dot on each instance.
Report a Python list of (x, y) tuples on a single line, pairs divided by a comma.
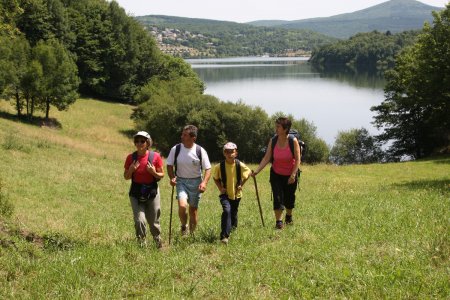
[(259, 203), (170, 222)]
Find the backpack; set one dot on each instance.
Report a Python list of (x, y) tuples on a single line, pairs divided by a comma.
[(198, 150), (151, 155), (292, 133), (223, 173)]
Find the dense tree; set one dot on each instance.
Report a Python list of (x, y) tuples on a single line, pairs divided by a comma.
[(415, 113), (59, 81), (372, 50), (355, 146), (31, 85), (9, 12), (14, 56)]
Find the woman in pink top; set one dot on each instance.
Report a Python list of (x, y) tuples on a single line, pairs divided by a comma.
[(283, 173)]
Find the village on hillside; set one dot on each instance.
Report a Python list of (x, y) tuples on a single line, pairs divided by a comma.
[(177, 43)]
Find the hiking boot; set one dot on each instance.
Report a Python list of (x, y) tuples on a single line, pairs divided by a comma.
[(288, 220), (184, 230), (224, 240), (279, 225), (158, 242)]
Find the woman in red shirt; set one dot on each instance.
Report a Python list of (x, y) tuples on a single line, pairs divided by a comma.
[(145, 168)]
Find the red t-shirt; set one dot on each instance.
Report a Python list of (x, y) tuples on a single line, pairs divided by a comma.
[(141, 175)]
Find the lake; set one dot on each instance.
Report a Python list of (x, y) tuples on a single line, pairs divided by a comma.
[(332, 101)]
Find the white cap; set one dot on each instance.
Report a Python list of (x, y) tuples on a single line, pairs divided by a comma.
[(229, 146), (144, 134)]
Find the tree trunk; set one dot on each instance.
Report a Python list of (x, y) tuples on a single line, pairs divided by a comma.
[(27, 102), (47, 109), (19, 109), (32, 107)]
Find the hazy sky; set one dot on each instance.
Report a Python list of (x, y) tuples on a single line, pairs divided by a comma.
[(251, 10)]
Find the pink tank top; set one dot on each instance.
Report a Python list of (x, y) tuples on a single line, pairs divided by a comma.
[(283, 160)]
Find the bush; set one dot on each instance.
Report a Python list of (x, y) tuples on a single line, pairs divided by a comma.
[(355, 146)]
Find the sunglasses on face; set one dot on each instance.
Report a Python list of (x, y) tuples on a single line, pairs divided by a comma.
[(139, 141), (229, 151)]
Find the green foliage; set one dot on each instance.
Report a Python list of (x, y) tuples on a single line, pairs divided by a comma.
[(179, 102), (59, 81), (9, 11), (355, 146), (114, 54), (415, 113), (364, 51), (14, 56), (172, 68)]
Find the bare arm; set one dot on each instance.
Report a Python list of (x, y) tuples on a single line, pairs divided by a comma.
[(218, 183), (157, 173), (127, 174), (297, 162), (202, 186), (173, 178)]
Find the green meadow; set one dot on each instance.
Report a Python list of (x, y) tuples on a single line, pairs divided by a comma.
[(362, 231)]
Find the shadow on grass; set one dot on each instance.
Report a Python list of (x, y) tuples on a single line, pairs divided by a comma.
[(442, 185), (443, 161), (129, 133), (36, 121)]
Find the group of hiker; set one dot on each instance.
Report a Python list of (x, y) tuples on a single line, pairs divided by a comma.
[(189, 170)]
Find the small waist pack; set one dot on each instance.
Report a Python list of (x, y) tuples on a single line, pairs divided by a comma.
[(144, 192)]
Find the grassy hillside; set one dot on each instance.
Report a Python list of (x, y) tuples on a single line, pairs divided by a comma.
[(373, 231)]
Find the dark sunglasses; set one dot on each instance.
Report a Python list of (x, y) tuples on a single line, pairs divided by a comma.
[(140, 141)]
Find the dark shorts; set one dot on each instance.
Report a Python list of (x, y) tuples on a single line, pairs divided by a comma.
[(283, 193)]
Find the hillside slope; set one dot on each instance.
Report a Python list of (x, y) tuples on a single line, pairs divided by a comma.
[(394, 15), (365, 231)]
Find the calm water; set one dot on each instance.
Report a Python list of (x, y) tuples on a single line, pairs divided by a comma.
[(332, 101)]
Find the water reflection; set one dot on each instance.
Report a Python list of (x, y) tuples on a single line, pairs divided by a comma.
[(332, 100), (231, 69)]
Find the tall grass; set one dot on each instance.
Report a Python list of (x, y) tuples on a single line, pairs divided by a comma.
[(372, 231)]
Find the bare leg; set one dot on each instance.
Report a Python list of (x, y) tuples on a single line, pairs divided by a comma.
[(182, 211), (193, 218), (278, 214)]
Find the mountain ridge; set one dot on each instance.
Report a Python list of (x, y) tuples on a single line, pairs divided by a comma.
[(393, 15)]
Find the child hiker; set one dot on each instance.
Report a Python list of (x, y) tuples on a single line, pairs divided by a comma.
[(229, 176)]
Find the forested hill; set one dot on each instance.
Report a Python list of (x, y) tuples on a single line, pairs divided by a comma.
[(394, 16), (190, 37)]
